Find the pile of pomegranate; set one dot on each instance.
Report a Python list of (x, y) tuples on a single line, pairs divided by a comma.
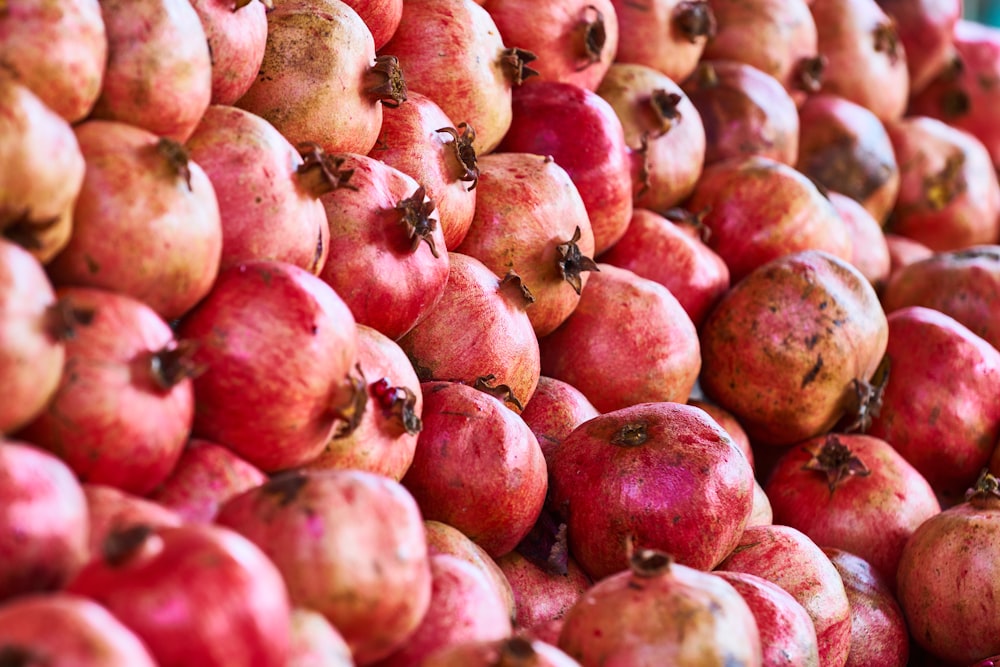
[(501, 333)]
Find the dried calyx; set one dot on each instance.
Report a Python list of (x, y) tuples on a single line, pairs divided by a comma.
[(398, 405), (515, 64), (385, 81), (174, 363), (502, 392), (647, 563), (19, 227), (516, 652), (863, 401), (695, 20), (512, 286), (465, 154), (62, 319), (696, 220), (572, 263), (809, 74), (349, 403), (631, 434), (177, 159), (837, 462), (320, 173), (285, 487), (664, 105), (120, 545), (416, 217), (594, 36), (985, 493), (887, 40)]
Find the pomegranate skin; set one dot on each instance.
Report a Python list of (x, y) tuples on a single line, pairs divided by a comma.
[(903, 251), (541, 596), (381, 16), (555, 409), (870, 251), (316, 643), (729, 422), (616, 477), (237, 36), (925, 29), (111, 510), (513, 651), (669, 36)]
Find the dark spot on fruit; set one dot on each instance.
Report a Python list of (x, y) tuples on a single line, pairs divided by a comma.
[(677, 520), (811, 341), (92, 264), (823, 305), (813, 372)]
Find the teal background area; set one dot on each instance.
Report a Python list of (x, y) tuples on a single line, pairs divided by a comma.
[(984, 11)]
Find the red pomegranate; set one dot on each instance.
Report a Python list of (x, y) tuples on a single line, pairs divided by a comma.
[(869, 249), (511, 652), (315, 642), (628, 341), (289, 356), (236, 31), (925, 29), (43, 522), (540, 595), (729, 423), (902, 252), (555, 409), (125, 402), (791, 349), (530, 219), (146, 222), (111, 510), (381, 16), (655, 475), (668, 35), (350, 544)]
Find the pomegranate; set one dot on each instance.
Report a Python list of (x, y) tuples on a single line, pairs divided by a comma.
[(949, 198), (948, 580), (938, 409), (584, 135), (668, 35), (146, 223), (654, 475), (671, 251), (236, 31), (316, 643), (879, 636), (125, 402), (777, 37), (744, 110), (460, 339), (464, 607), (268, 191), (902, 252), (385, 437), (762, 514), (111, 510), (381, 16), (64, 630), (350, 544), (449, 41), (628, 341), (530, 219), (845, 148), (787, 635), (159, 67), (383, 227), (852, 492), (811, 334), (729, 423), (758, 209), (555, 409), (194, 594), (512, 652), (663, 131), (541, 595), (869, 249), (865, 59), (575, 41), (477, 467), (58, 50), (206, 476), (43, 521), (320, 80), (633, 617), (418, 139), (925, 29), (786, 557), (40, 185), (289, 357)]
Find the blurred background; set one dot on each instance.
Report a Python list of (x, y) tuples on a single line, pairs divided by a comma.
[(985, 11)]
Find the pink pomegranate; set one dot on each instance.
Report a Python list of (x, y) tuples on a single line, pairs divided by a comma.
[(869, 249), (663, 131), (671, 251), (125, 402), (729, 423), (541, 595), (460, 339), (865, 59), (194, 594), (902, 252), (632, 618), (744, 110), (668, 35), (146, 223), (575, 41), (555, 409), (43, 522), (111, 510), (791, 349), (383, 226), (236, 31), (937, 409), (925, 30), (159, 71), (449, 41), (477, 467), (693, 501), (777, 37), (45, 172), (949, 198), (315, 642), (65, 630), (511, 652), (584, 135), (268, 191), (320, 80), (418, 139), (758, 210), (385, 437), (628, 341), (531, 219), (381, 16), (350, 544), (845, 148), (206, 476), (289, 356), (58, 50), (786, 557)]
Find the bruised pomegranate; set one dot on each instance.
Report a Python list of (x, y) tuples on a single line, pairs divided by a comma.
[(43, 522), (669, 36), (236, 31), (869, 249), (655, 475), (555, 409), (125, 402), (628, 341), (511, 652), (315, 642), (632, 618), (289, 356), (925, 29), (530, 219), (542, 595), (350, 544), (790, 349), (111, 510)]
